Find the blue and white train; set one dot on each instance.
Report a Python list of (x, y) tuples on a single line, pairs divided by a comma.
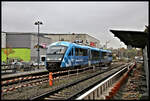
[(65, 55)]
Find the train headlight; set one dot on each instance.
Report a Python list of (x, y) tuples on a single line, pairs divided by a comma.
[(48, 59), (59, 58)]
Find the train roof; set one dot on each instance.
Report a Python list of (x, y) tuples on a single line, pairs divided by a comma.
[(64, 43), (68, 44), (104, 50), (92, 48)]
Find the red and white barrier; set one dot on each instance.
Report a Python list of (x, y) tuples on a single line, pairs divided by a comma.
[(22, 78)]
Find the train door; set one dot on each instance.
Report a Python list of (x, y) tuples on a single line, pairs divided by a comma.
[(71, 57), (100, 58), (109, 58), (77, 62), (103, 58), (89, 58)]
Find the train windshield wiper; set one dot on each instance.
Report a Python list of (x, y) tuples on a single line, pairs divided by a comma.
[(54, 53)]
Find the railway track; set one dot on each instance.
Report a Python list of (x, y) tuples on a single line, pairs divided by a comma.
[(12, 84), (21, 78), (32, 81), (73, 89)]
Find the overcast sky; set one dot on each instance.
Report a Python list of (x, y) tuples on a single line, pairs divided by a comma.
[(94, 18)]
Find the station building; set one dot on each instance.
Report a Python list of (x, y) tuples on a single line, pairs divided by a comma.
[(22, 46), (83, 39)]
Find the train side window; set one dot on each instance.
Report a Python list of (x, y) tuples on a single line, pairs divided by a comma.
[(95, 55), (92, 54), (103, 55), (110, 55), (81, 52), (76, 51), (84, 52)]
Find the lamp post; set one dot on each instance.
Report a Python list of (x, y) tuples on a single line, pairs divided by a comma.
[(7, 48), (38, 23), (106, 43)]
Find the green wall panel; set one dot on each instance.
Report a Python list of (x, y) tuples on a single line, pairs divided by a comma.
[(21, 53)]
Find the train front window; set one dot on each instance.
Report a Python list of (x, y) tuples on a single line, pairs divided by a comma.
[(56, 50)]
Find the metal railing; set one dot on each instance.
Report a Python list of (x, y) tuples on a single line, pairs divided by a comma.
[(101, 89)]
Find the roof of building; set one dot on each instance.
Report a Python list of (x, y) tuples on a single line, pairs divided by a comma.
[(42, 34), (136, 39), (30, 33), (72, 34), (65, 34), (26, 33)]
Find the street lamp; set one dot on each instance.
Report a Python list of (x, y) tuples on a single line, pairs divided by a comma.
[(38, 23), (107, 43)]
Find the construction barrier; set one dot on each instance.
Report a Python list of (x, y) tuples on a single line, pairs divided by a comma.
[(23, 85), (22, 78)]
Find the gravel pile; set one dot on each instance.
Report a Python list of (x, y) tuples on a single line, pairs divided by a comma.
[(134, 87)]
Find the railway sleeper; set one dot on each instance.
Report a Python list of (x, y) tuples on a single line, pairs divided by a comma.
[(54, 98)]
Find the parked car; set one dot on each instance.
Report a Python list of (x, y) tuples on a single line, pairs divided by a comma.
[(3, 63), (16, 65), (40, 64), (35, 64)]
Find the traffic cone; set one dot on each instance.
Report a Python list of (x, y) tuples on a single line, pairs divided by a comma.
[(50, 79)]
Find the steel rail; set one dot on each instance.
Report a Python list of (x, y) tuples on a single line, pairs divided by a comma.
[(68, 85)]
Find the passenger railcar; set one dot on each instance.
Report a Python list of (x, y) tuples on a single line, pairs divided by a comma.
[(65, 55), (106, 57)]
